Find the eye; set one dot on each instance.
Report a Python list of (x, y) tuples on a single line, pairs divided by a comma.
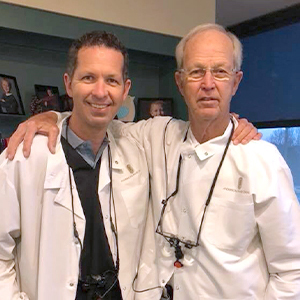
[(196, 72), (88, 78), (220, 72), (112, 81)]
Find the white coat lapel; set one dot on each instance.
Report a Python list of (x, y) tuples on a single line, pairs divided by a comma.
[(57, 178), (116, 162)]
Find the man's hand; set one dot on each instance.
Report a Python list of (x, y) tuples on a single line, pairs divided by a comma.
[(44, 123), (245, 132)]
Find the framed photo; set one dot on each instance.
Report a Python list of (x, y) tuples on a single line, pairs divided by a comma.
[(152, 107), (10, 101), (66, 103), (47, 98)]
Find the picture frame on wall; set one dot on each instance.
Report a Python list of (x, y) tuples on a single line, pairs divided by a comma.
[(66, 103), (47, 98), (152, 107), (10, 98)]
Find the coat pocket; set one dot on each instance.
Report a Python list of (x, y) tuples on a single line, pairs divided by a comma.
[(229, 225), (136, 200)]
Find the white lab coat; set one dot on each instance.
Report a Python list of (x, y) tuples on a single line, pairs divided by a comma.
[(39, 255), (250, 240)]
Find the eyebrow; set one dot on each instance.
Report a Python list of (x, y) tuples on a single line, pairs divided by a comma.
[(214, 65), (112, 75)]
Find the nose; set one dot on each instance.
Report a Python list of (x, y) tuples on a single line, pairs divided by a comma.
[(99, 89), (208, 81)]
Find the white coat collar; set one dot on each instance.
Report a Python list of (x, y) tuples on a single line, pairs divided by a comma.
[(57, 177), (116, 162), (209, 148), (57, 173)]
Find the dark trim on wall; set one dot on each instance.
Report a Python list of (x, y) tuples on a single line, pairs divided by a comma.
[(279, 123), (52, 50), (62, 26), (267, 22)]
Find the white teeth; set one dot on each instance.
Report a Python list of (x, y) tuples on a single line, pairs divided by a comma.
[(99, 105)]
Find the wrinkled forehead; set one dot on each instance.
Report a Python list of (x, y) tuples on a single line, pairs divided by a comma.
[(208, 48)]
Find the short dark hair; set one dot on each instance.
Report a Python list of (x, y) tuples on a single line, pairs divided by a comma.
[(96, 38)]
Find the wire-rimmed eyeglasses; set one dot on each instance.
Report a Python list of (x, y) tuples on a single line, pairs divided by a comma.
[(218, 73), (173, 240)]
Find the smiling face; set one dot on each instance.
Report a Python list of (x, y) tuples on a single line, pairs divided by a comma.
[(97, 88), (208, 99), (156, 109)]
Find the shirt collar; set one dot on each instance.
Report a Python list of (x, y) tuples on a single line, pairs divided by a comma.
[(84, 148), (209, 148)]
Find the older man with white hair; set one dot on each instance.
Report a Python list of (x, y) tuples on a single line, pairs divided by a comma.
[(227, 220)]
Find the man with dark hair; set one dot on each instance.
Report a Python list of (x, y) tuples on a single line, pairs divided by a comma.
[(72, 223), (92, 39)]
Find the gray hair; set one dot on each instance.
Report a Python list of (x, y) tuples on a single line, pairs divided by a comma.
[(237, 45)]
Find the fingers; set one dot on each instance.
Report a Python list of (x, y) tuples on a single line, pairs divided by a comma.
[(52, 138), (15, 140), (236, 135), (31, 131), (44, 124), (236, 116), (245, 132), (258, 136)]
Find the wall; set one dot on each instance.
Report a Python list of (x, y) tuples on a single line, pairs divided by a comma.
[(154, 16), (270, 88), (67, 27), (39, 59), (168, 88), (34, 44)]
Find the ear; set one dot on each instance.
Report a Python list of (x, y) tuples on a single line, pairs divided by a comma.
[(68, 86), (237, 80), (127, 85), (178, 80)]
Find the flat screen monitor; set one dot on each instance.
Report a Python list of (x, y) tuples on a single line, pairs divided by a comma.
[(285, 135)]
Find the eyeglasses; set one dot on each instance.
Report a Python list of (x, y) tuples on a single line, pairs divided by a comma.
[(171, 238), (218, 73)]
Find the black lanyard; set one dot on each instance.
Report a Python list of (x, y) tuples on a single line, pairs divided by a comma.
[(171, 238), (109, 278)]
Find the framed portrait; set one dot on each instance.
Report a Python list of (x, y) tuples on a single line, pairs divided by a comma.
[(47, 98), (152, 107), (66, 103), (10, 101)]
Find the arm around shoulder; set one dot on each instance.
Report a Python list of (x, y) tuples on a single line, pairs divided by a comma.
[(44, 123)]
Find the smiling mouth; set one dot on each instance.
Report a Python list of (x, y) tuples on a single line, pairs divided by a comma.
[(99, 106)]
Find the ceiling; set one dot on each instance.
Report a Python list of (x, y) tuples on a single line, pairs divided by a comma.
[(232, 12)]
